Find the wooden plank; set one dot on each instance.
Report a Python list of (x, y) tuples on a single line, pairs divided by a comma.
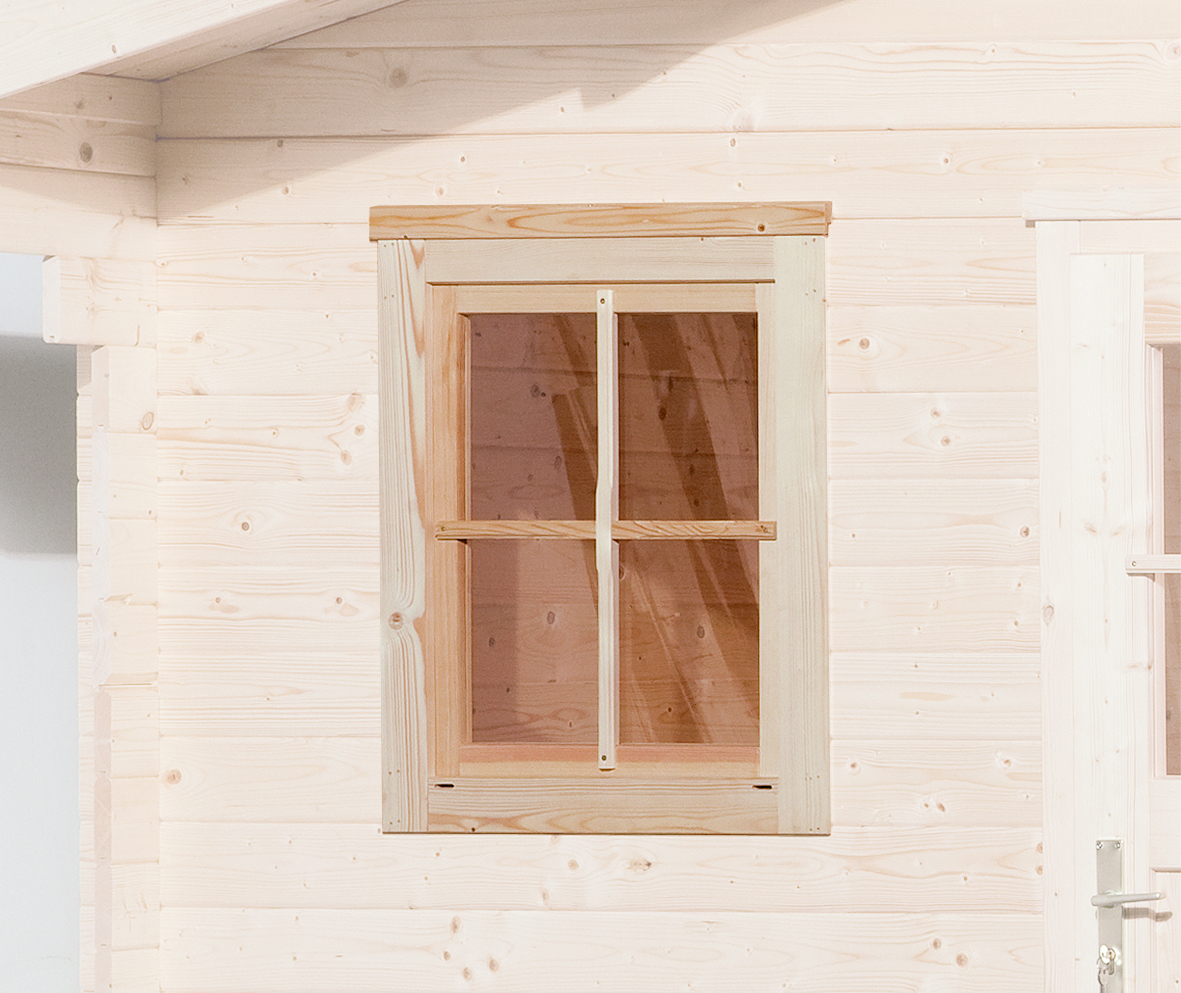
[(261, 439), (320, 524), (49, 42), (633, 220), (908, 783), (967, 696), (558, 806), (905, 435), (1147, 565), (917, 608), (252, 606), (347, 866), (657, 88), (267, 352), (646, 298), (927, 521), (402, 322), (1162, 297), (77, 214), (289, 780), (436, 23), (99, 98), (448, 608), (599, 260), (328, 267), (930, 263), (945, 173), (620, 530), (98, 301), (606, 548), (1107, 203), (1056, 241), (285, 692), (912, 349), (793, 578), (1138, 236), (210, 951), (53, 142)]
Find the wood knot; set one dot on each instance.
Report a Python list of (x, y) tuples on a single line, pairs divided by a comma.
[(147, 421), (396, 622), (172, 777), (85, 152)]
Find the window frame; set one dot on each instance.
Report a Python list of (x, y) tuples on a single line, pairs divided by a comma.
[(424, 256)]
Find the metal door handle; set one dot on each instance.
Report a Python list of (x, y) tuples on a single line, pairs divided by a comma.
[(1116, 899)]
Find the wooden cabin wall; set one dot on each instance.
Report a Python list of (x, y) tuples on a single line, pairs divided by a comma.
[(274, 875), (77, 184)]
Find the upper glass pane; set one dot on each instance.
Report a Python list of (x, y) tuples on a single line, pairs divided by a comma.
[(533, 416), (688, 409)]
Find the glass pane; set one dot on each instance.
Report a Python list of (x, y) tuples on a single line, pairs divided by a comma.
[(689, 642), (533, 416), (688, 401), (534, 639)]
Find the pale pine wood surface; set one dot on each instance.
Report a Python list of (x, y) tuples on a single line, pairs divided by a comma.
[(208, 950), (622, 88), (497, 23), (346, 866), (889, 174), (56, 142), (94, 97)]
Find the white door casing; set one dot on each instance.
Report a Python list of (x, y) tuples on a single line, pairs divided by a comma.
[(1101, 694)]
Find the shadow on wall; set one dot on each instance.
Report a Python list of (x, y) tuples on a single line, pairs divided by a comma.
[(38, 474)]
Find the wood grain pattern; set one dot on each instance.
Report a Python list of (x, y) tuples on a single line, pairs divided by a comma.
[(347, 866), (957, 173), (403, 454), (964, 696), (926, 521), (101, 98), (561, 298), (321, 524), (210, 951), (754, 87), (431, 23), (905, 435), (913, 349), (54, 142), (1102, 204), (633, 220), (77, 214), (98, 302), (257, 439), (600, 260), (918, 608), (562, 806), (267, 352)]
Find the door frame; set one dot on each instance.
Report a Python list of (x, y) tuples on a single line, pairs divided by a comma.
[(1097, 684)]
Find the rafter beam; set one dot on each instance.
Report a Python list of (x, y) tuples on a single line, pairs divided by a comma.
[(46, 40)]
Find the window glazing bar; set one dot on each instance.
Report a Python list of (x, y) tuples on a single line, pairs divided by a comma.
[(606, 514)]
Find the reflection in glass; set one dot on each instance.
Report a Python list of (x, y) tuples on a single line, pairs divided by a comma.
[(688, 402), (533, 416), (534, 641), (689, 642)]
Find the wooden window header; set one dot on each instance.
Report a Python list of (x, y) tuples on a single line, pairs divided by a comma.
[(643, 220)]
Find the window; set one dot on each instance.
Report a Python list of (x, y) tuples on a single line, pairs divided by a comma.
[(603, 518)]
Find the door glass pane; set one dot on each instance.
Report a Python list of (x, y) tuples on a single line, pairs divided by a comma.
[(533, 416), (534, 641), (688, 403), (689, 642)]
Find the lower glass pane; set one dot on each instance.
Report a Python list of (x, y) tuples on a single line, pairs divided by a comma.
[(534, 641), (689, 642)]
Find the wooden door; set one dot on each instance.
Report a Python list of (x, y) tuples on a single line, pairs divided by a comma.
[(1108, 339)]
